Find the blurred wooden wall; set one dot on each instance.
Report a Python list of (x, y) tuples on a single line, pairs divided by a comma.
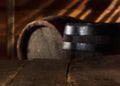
[(29, 10)]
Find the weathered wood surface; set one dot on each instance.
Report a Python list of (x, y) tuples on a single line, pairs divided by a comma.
[(8, 70), (83, 72), (95, 71), (33, 73)]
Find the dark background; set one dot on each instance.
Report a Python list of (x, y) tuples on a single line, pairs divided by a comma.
[(29, 10)]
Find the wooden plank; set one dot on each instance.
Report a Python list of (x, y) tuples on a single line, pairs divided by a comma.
[(8, 70), (42, 72), (101, 71), (11, 29)]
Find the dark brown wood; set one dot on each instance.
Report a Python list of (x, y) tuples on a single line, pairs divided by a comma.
[(100, 71), (33, 73), (42, 72), (103, 71), (43, 38), (9, 70), (10, 28)]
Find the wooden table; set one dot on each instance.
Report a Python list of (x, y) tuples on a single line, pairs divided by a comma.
[(82, 72), (33, 73), (100, 71)]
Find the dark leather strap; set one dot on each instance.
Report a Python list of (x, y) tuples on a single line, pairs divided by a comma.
[(87, 47)]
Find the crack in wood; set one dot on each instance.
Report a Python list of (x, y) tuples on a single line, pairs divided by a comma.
[(68, 69)]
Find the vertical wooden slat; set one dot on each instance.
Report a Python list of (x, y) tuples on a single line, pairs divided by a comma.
[(85, 14), (79, 9), (10, 28), (118, 20), (107, 11), (113, 14), (70, 5)]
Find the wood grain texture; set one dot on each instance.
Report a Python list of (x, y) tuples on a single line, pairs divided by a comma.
[(99, 71), (103, 71), (42, 72), (8, 70), (44, 43)]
